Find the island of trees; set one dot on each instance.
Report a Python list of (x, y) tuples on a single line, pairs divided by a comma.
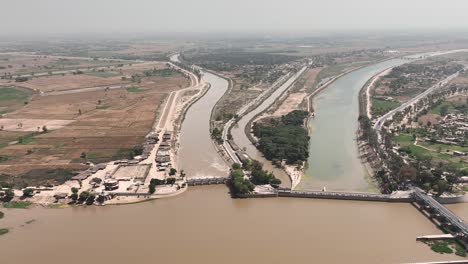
[(284, 138)]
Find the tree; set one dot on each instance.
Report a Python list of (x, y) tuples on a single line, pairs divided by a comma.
[(9, 194), (152, 188), (45, 129), (91, 198), (170, 180), (84, 196), (83, 155), (96, 180), (28, 192), (236, 166), (172, 172), (74, 197)]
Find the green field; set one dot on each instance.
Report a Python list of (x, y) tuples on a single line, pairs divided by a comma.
[(438, 109), (10, 96), (17, 205), (443, 147), (135, 90), (380, 107), (404, 139), (105, 74)]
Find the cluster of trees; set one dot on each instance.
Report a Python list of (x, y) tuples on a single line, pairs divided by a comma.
[(260, 176), (156, 182), (217, 135), (160, 72), (239, 184), (284, 139), (7, 194), (229, 59)]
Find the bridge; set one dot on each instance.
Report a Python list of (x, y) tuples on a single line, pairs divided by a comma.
[(207, 181), (446, 218), (360, 196)]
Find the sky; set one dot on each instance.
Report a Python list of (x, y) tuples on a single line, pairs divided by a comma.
[(179, 16)]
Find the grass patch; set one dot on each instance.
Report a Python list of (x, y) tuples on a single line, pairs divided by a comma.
[(4, 158), (4, 231), (449, 108), (443, 147), (12, 95), (404, 139), (27, 139), (441, 247), (447, 247), (17, 205), (105, 74), (380, 107), (102, 107), (134, 89), (34, 177), (124, 154)]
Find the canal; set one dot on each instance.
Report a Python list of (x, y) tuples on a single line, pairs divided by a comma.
[(197, 154), (334, 160), (240, 138)]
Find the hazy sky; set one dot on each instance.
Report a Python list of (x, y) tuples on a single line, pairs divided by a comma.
[(114, 16)]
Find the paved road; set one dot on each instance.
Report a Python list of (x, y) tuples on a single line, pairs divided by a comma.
[(380, 122)]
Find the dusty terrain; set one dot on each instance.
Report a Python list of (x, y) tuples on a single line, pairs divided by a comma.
[(100, 125)]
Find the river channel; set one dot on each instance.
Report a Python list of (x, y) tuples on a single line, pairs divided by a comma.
[(204, 225), (334, 160), (198, 156)]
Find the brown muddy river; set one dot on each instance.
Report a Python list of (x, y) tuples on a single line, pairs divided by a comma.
[(204, 225)]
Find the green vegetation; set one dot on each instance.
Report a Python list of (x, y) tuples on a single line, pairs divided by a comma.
[(102, 74), (443, 147), (240, 185), (3, 231), (227, 60), (404, 139), (1, 214), (161, 72), (284, 139), (443, 109), (128, 153), (441, 247), (217, 135), (12, 95), (96, 180), (135, 89), (17, 205), (4, 158), (28, 192), (380, 107), (46, 177), (27, 139), (260, 176), (447, 247)]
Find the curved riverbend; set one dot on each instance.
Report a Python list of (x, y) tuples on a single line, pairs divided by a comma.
[(333, 155), (197, 155)]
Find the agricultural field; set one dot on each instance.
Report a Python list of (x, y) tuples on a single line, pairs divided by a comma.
[(380, 106), (54, 134)]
